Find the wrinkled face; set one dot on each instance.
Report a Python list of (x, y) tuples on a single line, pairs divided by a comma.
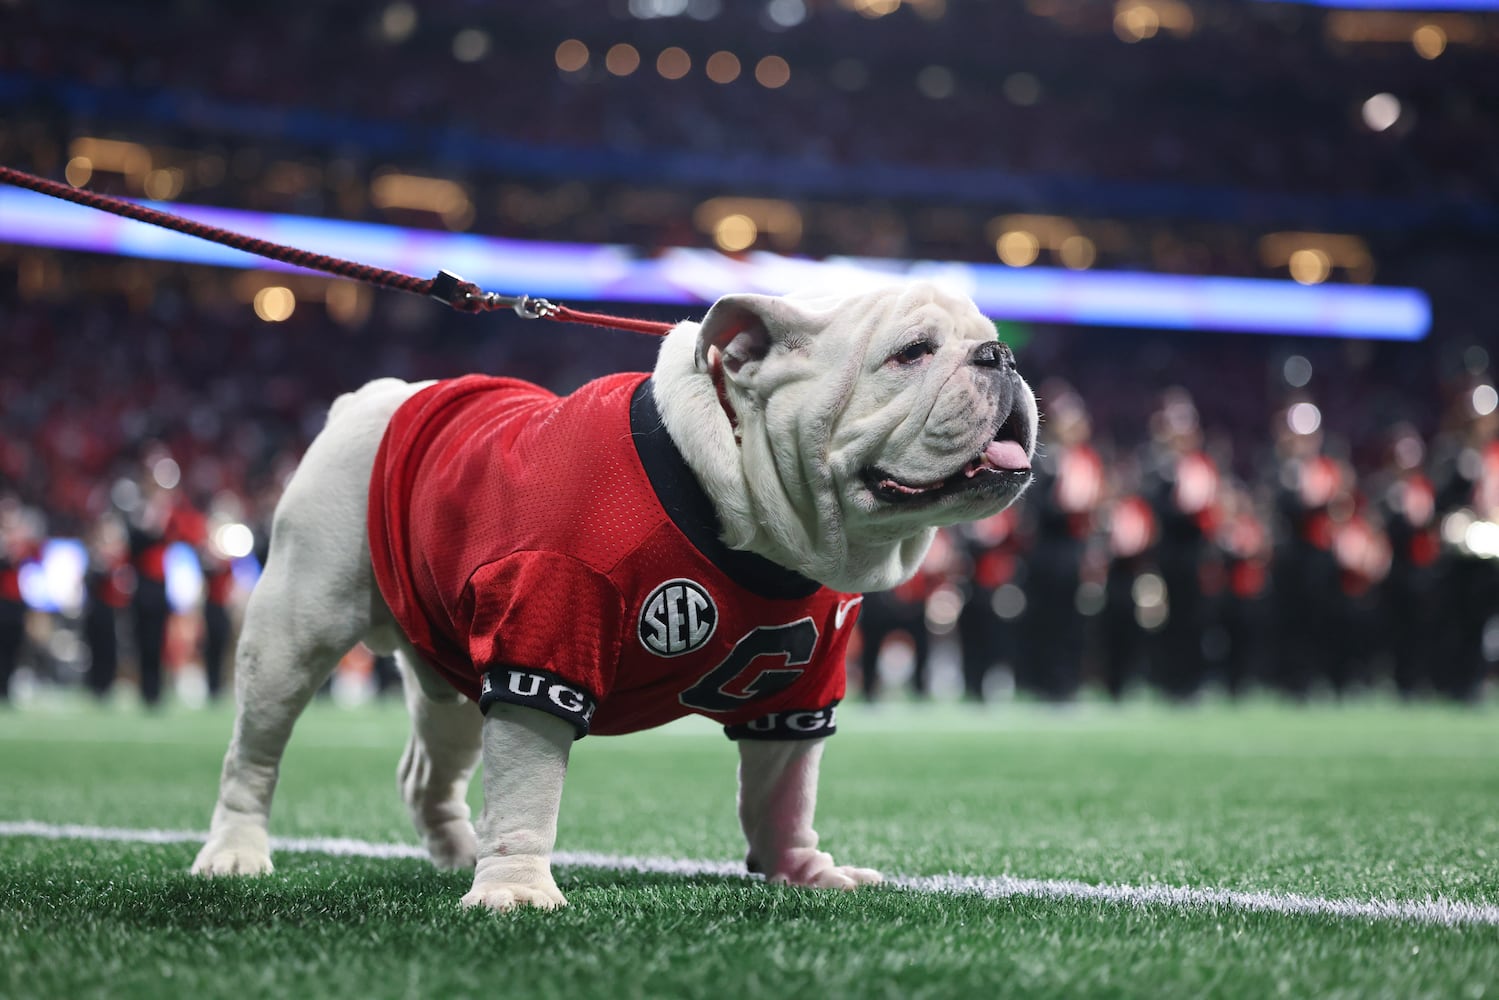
[(846, 429), (938, 427)]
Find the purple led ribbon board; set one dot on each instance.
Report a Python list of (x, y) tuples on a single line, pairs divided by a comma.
[(690, 276), (1443, 5)]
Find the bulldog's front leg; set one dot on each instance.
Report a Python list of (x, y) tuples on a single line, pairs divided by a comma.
[(777, 797), (525, 760)]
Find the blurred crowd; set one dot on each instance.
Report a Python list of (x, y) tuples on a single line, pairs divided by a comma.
[(1209, 510), (1159, 565), (1252, 119), (1175, 535), (1179, 102), (137, 423)]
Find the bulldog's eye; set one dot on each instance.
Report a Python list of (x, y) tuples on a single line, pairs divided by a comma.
[(913, 353)]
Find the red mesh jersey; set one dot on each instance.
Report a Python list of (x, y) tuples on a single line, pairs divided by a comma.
[(556, 552)]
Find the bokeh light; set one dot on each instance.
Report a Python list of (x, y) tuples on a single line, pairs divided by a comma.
[(772, 72), (722, 67), (1018, 248), (1381, 111), (622, 59), (1297, 371), (1304, 418), (735, 232), (470, 45), (275, 304), (1078, 252), (1429, 41), (571, 56), (1310, 266), (673, 63)]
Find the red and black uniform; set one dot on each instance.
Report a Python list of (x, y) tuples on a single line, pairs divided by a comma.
[(13, 556), (1185, 498), (1363, 555), (1467, 474), (902, 609), (108, 583), (1062, 503), (218, 589), (1244, 543), (1132, 534), (150, 609), (1304, 576), (1412, 604), (986, 635), (557, 553)]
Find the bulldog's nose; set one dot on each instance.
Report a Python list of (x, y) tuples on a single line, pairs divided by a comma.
[(993, 354)]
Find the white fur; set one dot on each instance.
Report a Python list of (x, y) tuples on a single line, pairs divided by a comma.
[(777, 799), (816, 408), (816, 403)]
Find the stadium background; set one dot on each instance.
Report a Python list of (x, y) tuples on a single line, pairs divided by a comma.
[(1220, 510), (149, 402)]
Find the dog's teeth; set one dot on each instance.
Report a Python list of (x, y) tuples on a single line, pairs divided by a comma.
[(899, 487)]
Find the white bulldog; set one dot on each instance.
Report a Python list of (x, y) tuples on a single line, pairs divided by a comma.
[(830, 439)]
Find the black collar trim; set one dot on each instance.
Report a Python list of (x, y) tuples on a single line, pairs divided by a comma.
[(692, 512)]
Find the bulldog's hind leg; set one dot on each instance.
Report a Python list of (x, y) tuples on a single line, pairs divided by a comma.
[(314, 601), (284, 656), (438, 762)]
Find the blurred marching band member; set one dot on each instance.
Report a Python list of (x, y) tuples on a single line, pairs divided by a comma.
[(20, 543), (1362, 553), (1244, 545), (985, 631), (148, 602), (903, 610), (218, 590), (108, 582), (1059, 509), (1305, 576), (161, 519), (1131, 533), (1412, 599), (1184, 494), (1467, 475)]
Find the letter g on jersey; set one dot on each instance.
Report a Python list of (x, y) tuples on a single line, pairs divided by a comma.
[(677, 618)]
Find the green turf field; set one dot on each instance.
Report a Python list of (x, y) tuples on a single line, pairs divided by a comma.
[(1361, 802)]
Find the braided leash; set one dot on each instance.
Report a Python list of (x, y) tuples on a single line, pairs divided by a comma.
[(447, 288)]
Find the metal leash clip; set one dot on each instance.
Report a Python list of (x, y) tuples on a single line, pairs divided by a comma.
[(529, 308), (449, 289)]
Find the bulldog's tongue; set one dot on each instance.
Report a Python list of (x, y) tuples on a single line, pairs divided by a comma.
[(1006, 455)]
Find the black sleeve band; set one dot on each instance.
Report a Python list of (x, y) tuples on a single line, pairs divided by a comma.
[(796, 724), (541, 690)]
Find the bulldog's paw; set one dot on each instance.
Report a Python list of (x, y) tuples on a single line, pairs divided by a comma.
[(237, 850), (452, 845), (512, 895), (815, 869), (837, 877), (511, 881)]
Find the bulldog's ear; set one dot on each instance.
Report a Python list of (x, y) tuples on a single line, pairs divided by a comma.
[(745, 328)]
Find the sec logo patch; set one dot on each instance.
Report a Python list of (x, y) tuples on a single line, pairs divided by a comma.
[(677, 618)]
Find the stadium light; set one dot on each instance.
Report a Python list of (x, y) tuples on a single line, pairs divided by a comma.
[(691, 276)]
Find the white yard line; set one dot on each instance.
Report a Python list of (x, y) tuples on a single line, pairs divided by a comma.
[(1428, 911)]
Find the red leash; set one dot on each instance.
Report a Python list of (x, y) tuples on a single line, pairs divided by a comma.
[(448, 288)]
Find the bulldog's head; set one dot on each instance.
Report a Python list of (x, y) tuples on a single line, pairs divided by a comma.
[(835, 435)]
